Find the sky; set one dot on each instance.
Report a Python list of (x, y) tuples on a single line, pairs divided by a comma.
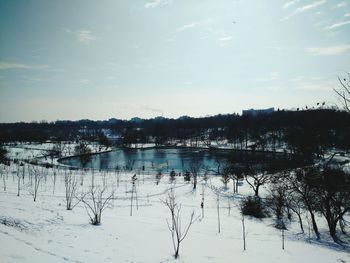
[(75, 59)]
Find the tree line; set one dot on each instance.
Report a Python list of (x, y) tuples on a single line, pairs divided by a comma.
[(306, 133)]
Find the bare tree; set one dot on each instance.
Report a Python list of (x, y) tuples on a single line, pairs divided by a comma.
[(83, 151), (277, 202), (37, 174), (332, 188), (343, 91), (236, 176), (244, 234), (298, 183), (133, 192), (18, 180), (178, 232), (96, 200), (70, 183), (3, 171), (218, 209), (282, 236), (293, 203), (226, 173), (203, 198), (256, 179), (195, 167)]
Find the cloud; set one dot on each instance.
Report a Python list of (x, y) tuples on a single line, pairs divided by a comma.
[(152, 110), (336, 25), (67, 30), (310, 6), (225, 38), (326, 51), (85, 36), (340, 5), (39, 49), (203, 23), (290, 3), (12, 65), (315, 87), (113, 64), (84, 81), (270, 77), (156, 3), (305, 8), (347, 14), (188, 26)]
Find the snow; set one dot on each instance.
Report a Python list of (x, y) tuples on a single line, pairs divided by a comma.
[(44, 231), (39, 151)]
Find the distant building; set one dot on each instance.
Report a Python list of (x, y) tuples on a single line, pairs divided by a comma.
[(254, 112)]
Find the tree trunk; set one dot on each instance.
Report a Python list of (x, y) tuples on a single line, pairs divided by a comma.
[(301, 223), (177, 251), (332, 229), (256, 190), (314, 225)]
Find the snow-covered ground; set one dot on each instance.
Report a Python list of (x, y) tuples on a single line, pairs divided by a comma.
[(44, 231), (40, 151), (217, 144)]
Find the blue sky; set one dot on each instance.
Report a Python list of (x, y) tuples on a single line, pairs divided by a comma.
[(102, 59)]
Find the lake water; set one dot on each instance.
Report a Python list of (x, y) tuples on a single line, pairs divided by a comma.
[(160, 159), (164, 159)]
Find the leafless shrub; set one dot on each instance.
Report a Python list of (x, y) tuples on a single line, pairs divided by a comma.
[(96, 200), (37, 174), (177, 230), (70, 183)]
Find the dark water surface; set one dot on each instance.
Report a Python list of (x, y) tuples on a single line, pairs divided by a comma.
[(163, 159)]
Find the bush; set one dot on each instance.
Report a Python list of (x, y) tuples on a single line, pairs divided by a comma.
[(253, 206), (3, 157)]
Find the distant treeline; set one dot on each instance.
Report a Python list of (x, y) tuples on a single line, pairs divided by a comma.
[(305, 132)]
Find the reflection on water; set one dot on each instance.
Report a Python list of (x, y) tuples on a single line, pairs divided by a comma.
[(178, 159), (151, 159)]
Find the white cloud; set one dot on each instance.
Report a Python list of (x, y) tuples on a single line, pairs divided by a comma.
[(156, 3), (154, 110), (334, 50), (39, 49), (346, 15), (336, 25), (310, 6), (305, 8), (340, 5), (12, 65), (84, 81), (66, 30), (270, 77), (290, 3), (225, 38), (314, 87), (113, 64), (86, 36), (188, 26)]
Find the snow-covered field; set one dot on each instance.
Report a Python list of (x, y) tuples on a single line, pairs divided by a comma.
[(44, 231), (40, 151)]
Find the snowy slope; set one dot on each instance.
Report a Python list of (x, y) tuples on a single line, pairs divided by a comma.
[(44, 231)]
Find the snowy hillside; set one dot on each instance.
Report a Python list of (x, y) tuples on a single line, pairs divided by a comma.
[(44, 231)]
